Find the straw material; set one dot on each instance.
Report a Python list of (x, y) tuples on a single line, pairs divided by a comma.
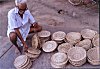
[(35, 41), (86, 44), (20, 61), (75, 2), (88, 33), (34, 51), (64, 47), (73, 37), (59, 57), (94, 56), (49, 46), (44, 34), (95, 40), (31, 55), (59, 35), (77, 56), (59, 60)]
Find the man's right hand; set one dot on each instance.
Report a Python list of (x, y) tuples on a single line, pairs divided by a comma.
[(25, 47)]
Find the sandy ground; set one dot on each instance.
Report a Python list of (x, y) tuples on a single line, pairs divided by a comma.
[(45, 12)]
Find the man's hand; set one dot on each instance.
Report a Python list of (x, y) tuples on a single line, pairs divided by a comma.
[(25, 47)]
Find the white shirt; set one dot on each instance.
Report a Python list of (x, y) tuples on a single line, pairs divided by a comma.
[(15, 21)]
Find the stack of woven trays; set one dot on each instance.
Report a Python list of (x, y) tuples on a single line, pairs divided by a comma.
[(22, 62), (77, 56), (59, 36), (59, 60), (33, 53), (44, 36), (93, 56), (49, 46)]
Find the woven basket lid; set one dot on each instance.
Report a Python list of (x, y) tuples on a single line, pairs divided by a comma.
[(44, 33), (59, 57), (88, 33), (32, 55), (34, 51), (35, 41), (86, 44), (76, 53), (20, 61), (64, 47), (93, 54), (49, 46), (95, 40), (73, 37), (59, 35), (75, 2), (25, 65)]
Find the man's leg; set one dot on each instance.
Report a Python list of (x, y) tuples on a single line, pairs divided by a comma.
[(13, 39)]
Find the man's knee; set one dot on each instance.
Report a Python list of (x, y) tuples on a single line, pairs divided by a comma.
[(13, 36)]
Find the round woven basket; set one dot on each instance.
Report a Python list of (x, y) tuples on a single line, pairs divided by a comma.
[(49, 46), (77, 56), (20, 61), (44, 34), (64, 47), (93, 56), (95, 40), (75, 2), (34, 51), (58, 36), (73, 37), (31, 56), (88, 33), (59, 60), (35, 41), (86, 44)]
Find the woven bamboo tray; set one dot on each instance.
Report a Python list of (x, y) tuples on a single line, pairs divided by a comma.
[(88, 33), (49, 46), (95, 40), (86, 44), (73, 37), (21, 61), (93, 56), (77, 56), (59, 60), (64, 47), (58, 36)]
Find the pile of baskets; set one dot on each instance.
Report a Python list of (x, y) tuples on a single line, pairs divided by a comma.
[(74, 47), (22, 62)]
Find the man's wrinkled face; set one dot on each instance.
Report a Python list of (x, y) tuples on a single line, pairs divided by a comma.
[(22, 8)]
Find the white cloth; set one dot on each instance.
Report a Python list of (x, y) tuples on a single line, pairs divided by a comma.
[(15, 21)]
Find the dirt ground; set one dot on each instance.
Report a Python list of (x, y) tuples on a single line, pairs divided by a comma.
[(45, 12)]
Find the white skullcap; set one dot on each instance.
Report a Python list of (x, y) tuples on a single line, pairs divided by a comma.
[(20, 1)]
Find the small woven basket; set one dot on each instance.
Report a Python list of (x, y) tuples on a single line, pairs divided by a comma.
[(93, 56), (95, 40), (77, 56), (88, 33), (64, 47), (86, 44), (73, 37), (58, 36), (59, 60)]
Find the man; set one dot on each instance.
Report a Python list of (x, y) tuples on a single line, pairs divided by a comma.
[(20, 23)]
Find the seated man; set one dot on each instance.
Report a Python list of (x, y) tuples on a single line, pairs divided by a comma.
[(20, 24)]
